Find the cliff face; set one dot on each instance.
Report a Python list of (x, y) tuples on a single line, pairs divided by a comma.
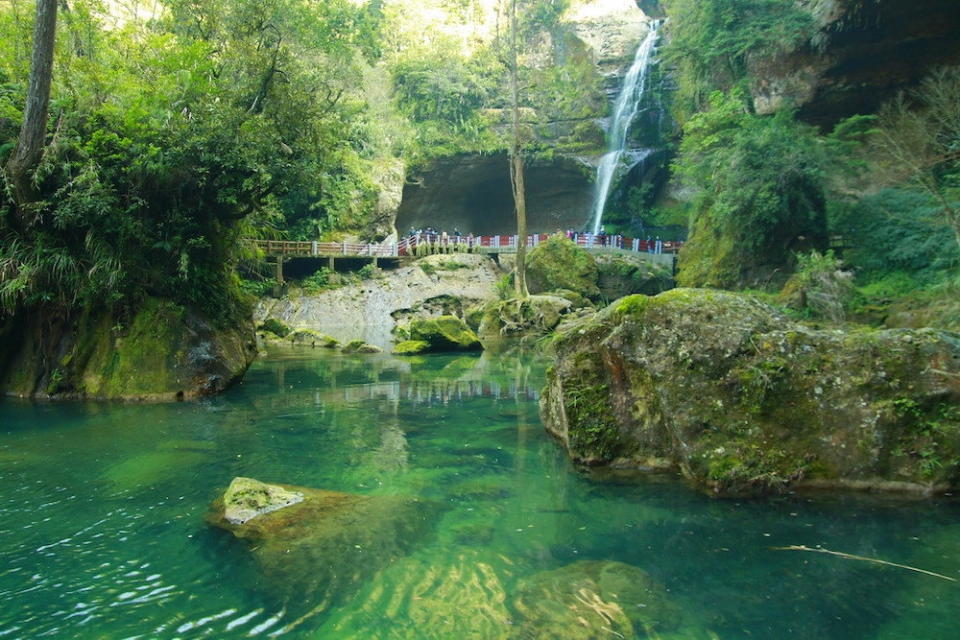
[(864, 52), (472, 193)]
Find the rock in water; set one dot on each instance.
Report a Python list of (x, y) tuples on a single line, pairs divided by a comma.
[(446, 333), (591, 600), (458, 596), (313, 547), (247, 498), (742, 400)]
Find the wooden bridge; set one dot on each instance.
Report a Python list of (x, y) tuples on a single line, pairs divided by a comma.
[(424, 244)]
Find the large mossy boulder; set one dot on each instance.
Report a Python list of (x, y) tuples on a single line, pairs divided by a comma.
[(742, 400), (311, 546), (592, 600), (161, 351), (558, 263), (444, 333)]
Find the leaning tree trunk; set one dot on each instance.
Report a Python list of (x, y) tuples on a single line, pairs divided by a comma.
[(516, 163), (33, 131)]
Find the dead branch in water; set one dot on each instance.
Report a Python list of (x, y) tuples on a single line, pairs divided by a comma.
[(850, 556)]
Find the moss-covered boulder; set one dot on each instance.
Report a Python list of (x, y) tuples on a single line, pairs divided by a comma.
[(620, 275), (312, 338), (591, 600), (325, 544), (359, 346), (743, 400), (274, 327), (520, 317), (444, 333), (410, 347), (247, 498), (163, 351), (560, 264)]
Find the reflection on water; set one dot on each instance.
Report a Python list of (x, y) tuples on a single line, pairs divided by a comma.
[(103, 537)]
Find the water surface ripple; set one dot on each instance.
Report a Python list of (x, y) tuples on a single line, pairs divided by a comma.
[(102, 532)]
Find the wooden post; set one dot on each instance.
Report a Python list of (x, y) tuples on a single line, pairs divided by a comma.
[(279, 269), (330, 264), (374, 260)]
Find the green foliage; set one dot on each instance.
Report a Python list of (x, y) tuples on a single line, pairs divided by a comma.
[(819, 288), (443, 92), (257, 288), (713, 41), (319, 281), (917, 140), (370, 272), (504, 285), (895, 230), (761, 193), (167, 134)]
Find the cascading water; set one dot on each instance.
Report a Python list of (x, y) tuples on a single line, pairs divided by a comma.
[(625, 108)]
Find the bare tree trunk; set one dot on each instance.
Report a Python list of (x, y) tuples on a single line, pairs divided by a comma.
[(516, 163), (33, 132)]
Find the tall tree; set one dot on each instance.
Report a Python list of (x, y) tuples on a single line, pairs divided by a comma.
[(918, 139), (516, 161), (30, 144)]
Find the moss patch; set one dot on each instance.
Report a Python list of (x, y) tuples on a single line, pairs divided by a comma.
[(410, 347), (444, 333), (560, 264)]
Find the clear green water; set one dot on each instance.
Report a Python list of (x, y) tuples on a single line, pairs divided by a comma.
[(101, 507)]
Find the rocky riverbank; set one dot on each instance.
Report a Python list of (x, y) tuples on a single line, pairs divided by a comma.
[(448, 284)]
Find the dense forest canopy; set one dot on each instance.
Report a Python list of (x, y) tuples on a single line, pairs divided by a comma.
[(174, 132)]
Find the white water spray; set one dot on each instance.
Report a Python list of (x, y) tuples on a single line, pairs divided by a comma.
[(625, 108)]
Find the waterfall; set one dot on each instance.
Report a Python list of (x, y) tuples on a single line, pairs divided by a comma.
[(625, 108)]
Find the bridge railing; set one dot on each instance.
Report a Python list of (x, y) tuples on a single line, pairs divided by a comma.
[(491, 244), (435, 243), (300, 249)]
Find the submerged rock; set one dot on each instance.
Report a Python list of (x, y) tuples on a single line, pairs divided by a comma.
[(593, 600), (742, 400), (455, 597), (313, 547)]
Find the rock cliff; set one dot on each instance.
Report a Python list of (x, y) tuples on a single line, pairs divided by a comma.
[(743, 401), (862, 54)]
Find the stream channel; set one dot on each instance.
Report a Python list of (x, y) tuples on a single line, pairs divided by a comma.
[(102, 532)]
